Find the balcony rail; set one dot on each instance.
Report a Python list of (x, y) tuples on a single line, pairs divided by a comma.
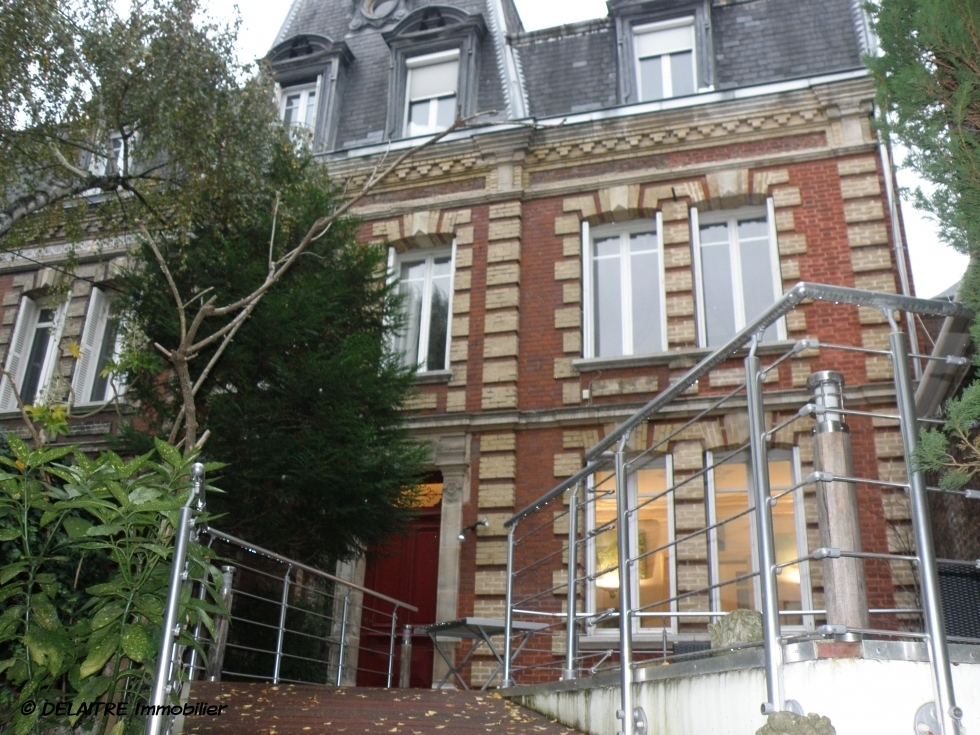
[(705, 501)]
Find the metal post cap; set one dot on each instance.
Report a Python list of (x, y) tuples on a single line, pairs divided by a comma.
[(197, 471), (824, 376)]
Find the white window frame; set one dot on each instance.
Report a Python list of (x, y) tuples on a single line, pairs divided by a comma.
[(731, 216), (304, 91), (97, 319), (417, 62), (652, 29), (653, 632), (18, 351), (589, 234), (395, 260), (799, 518)]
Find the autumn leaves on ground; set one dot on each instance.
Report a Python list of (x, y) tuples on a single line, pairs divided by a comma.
[(286, 709)]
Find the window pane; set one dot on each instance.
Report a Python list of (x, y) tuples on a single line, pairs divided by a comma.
[(608, 298), (652, 533), (716, 283), (106, 351), (291, 111), (758, 291), (446, 112), (645, 277), (735, 537), (784, 536), (410, 287), (606, 554), (418, 117), (651, 79), (682, 74), (310, 109), (439, 316), (35, 360)]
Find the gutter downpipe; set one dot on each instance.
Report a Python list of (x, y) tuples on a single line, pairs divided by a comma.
[(888, 169)]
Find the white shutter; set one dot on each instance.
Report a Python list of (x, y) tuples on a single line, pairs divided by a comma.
[(26, 318), (436, 80), (95, 321), (657, 42)]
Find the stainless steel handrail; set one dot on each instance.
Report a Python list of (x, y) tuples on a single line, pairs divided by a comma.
[(305, 567)]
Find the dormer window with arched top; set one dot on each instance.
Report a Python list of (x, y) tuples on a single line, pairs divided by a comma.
[(309, 72), (436, 53)]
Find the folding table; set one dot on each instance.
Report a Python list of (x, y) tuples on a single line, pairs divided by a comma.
[(480, 631)]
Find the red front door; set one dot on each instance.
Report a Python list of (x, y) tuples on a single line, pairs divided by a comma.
[(406, 568)]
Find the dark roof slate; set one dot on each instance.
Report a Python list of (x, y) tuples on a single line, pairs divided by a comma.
[(769, 40), (573, 68), (569, 69)]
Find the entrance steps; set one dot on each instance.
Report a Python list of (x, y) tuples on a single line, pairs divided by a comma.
[(301, 709)]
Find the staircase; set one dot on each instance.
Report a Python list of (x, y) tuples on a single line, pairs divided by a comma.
[(298, 709)]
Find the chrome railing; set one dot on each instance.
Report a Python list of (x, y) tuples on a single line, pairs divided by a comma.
[(291, 622), (282, 621), (631, 558)]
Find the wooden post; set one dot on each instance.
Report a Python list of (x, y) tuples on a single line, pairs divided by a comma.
[(845, 588)]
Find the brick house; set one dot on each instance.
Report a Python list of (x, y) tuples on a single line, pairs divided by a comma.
[(640, 187)]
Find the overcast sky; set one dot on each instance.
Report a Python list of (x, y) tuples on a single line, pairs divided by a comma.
[(935, 266)]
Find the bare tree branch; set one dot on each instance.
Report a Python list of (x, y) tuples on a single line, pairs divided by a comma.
[(170, 280)]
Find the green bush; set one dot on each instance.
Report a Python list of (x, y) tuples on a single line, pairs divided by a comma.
[(85, 556)]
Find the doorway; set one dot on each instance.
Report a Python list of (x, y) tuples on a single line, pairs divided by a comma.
[(406, 568)]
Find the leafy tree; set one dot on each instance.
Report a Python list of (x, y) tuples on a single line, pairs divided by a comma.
[(928, 83), (147, 115), (303, 403), (221, 204)]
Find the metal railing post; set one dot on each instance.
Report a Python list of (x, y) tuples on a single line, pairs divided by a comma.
[(947, 712), (508, 680), (625, 582), (571, 627), (391, 646), (343, 640), (171, 628), (216, 655), (198, 630), (405, 669), (283, 604), (767, 551)]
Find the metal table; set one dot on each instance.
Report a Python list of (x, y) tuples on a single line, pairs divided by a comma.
[(478, 630)]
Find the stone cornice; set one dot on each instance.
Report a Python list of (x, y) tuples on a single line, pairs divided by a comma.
[(785, 400)]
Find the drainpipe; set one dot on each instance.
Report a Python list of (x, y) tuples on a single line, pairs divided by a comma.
[(887, 166)]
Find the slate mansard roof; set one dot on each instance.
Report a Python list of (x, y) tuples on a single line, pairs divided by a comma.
[(573, 68)]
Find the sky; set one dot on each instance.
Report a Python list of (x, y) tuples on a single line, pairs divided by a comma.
[(935, 266)]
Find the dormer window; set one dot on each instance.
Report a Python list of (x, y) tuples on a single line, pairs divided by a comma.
[(298, 107), (435, 53), (665, 63), (430, 104)]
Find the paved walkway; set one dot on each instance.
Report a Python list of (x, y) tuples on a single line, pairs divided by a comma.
[(288, 709)]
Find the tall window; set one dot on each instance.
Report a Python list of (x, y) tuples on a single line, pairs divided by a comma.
[(733, 544), (100, 344), (32, 353), (431, 87), (625, 310), (654, 581), (665, 59), (298, 107), (737, 269), (425, 284)]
